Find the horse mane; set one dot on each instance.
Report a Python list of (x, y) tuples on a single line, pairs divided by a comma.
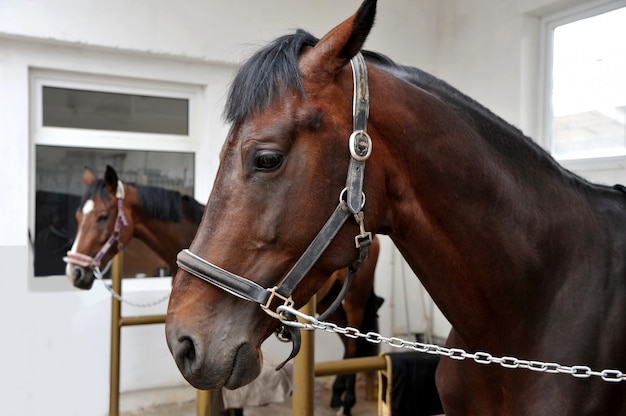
[(160, 203), (192, 208), (267, 74)]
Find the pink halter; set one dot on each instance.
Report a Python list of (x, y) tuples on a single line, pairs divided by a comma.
[(121, 220)]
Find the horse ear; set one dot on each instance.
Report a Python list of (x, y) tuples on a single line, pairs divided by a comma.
[(339, 45), (88, 176), (110, 179)]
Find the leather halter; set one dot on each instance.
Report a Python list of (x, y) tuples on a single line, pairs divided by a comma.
[(351, 201), (84, 260)]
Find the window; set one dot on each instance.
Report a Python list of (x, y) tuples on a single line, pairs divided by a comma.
[(586, 73), (143, 129), (97, 110)]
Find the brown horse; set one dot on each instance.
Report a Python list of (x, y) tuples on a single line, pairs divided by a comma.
[(163, 219), (524, 258), (167, 222)]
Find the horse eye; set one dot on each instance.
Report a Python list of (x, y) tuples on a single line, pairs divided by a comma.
[(103, 217), (268, 161)]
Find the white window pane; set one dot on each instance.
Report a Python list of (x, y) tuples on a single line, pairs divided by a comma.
[(589, 87)]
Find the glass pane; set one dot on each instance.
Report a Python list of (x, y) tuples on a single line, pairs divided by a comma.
[(64, 107), (59, 186), (589, 87)]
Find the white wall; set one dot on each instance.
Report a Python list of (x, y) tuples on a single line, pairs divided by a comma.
[(55, 343), (212, 30)]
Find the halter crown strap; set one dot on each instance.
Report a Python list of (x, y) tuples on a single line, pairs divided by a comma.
[(360, 142)]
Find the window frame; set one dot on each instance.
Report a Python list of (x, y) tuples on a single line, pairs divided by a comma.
[(548, 25), (110, 139), (104, 139)]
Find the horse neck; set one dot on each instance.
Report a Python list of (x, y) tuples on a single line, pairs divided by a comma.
[(473, 218), (165, 238)]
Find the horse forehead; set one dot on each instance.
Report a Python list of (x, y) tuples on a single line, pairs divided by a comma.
[(282, 120), (88, 207)]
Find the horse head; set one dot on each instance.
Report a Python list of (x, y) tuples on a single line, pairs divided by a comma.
[(290, 109), (103, 228)]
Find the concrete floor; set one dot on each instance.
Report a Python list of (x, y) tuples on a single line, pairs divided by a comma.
[(185, 405)]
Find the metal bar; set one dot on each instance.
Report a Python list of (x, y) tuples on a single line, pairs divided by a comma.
[(114, 375), (203, 402), (350, 365), (304, 382), (141, 320), (203, 397)]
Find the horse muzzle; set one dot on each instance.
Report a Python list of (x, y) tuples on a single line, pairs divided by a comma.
[(80, 277), (232, 367)]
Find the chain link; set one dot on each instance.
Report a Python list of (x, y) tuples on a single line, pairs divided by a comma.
[(109, 287), (480, 357)]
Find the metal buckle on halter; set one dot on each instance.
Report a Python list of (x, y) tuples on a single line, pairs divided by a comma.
[(267, 306), (360, 145), (364, 238)]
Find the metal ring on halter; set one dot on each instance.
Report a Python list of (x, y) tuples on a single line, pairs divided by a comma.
[(360, 149), (282, 309), (343, 200)]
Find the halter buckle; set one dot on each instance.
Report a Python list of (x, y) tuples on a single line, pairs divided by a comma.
[(364, 238), (273, 293), (360, 145)]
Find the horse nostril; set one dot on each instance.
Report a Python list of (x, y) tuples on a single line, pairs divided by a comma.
[(82, 280), (78, 273), (186, 354)]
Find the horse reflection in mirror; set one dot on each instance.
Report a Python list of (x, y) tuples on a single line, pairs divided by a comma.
[(112, 212), (524, 258)]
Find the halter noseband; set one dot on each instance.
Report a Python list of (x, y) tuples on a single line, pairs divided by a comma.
[(84, 260), (351, 201)]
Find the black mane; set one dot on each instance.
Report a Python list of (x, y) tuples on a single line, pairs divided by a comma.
[(162, 204), (267, 74)]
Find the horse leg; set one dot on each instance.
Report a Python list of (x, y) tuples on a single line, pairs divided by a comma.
[(349, 399), (339, 386), (345, 390)]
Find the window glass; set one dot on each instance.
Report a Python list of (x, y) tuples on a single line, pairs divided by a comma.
[(59, 187), (96, 110), (589, 87)]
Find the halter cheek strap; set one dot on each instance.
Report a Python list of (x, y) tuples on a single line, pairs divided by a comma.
[(84, 260)]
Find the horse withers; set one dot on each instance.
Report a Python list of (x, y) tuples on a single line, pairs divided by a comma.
[(524, 258)]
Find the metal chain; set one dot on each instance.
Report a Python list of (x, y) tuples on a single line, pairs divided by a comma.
[(579, 371), (109, 287)]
